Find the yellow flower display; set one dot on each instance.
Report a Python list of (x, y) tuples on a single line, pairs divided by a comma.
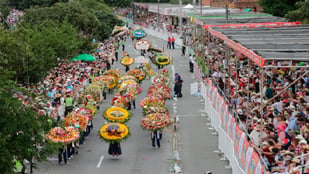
[(117, 114), (114, 132)]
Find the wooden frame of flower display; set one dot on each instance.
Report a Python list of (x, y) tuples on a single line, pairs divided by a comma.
[(117, 114), (155, 121), (63, 135), (114, 132)]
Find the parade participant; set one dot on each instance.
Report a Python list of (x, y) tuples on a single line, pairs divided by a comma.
[(62, 152), (68, 104), (191, 62), (123, 43), (173, 42), (177, 85), (169, 42), (155, 138), (114, 149)]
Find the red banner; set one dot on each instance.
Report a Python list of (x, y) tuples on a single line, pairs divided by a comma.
[(256, 25), (244, 151), (238, 133), (222, 110), (231, 130), (254, 160)]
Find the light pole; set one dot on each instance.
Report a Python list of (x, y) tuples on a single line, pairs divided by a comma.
[(158, 13), (180, 17)]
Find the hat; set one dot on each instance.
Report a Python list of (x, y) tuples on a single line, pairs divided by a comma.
[(264, 143), (284, 101), (288, 158), (303, 141), (295, 160), (257, 127), (239, 111), (288, 153)]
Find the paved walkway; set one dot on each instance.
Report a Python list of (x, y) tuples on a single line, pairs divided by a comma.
[(196, 144)]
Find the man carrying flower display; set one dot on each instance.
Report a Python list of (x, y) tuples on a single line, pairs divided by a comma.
[(177, 85), (155, 137)]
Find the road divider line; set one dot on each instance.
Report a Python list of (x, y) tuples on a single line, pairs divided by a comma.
[(100, 161)]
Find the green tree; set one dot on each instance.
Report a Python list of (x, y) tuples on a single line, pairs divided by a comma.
[(85, 17), (25, 4), (117, 3), (301, 13), (106, 19), (278, 7), (22, 131)]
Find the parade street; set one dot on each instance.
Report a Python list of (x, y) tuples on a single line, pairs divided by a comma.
[(195, 141)]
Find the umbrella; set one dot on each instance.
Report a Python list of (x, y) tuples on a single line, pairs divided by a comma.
[(84, 57), (189, 6)]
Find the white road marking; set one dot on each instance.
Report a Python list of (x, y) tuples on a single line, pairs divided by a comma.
[(100, 162)]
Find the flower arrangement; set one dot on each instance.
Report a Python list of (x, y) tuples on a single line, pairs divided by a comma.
[(119, 101), (152, 101), (60, 135), (165, 73), (161, 79), (140, 74), (155, 121), (114, 132), (159, 90), (126, 61), (113, 72), (117, 114), (95, 92), (126, 77), (110, 80), (93, 109), (155, 109), (77, 120), (147, 67)]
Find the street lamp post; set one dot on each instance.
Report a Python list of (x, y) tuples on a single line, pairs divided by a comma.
[(180, 17), (158, 13)]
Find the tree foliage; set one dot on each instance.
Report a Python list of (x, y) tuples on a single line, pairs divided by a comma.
[(26, 4), (32, 50), (117, 3), (301, 13), (278, 7), (22, 131), (88, 16)]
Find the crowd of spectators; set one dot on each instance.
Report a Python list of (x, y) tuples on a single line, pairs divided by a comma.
[(280, 131), (64, 89), (144, 17)]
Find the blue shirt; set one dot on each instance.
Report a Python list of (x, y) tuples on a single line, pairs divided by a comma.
[(293, 125)]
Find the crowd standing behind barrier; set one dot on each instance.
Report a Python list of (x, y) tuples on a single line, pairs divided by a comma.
[(280, 134), (277, 139)]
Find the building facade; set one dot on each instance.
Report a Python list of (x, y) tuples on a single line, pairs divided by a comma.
[(241, 4)]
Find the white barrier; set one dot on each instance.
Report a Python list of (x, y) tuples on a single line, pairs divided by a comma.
[(229, 138)]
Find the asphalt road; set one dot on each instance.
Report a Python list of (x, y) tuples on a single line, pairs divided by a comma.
[(195, 141)]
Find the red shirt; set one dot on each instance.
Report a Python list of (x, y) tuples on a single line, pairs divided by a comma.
[(169, 39), (173, 39)]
